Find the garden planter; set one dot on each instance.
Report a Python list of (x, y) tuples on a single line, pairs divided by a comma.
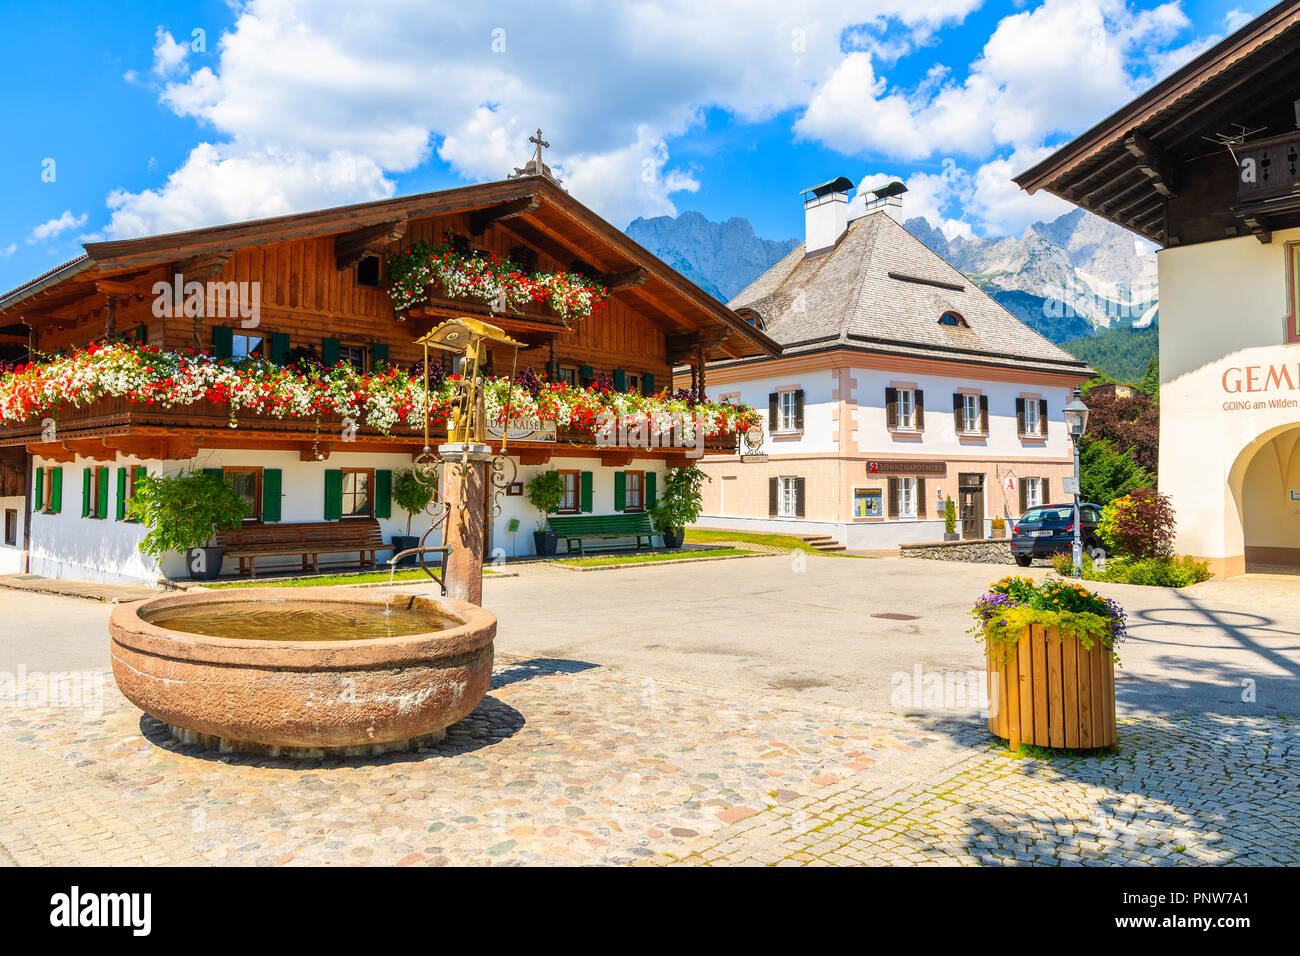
[(204, 563), (673, 537), (951, 536), (544, 543), (402, 542), (1052, 692)]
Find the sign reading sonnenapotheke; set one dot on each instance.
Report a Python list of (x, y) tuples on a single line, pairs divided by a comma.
[(524, 429), (907, 468)]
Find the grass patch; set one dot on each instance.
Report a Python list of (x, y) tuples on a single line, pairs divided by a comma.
[(789, 542), (649, 556), (330, 580), (1049, 754)]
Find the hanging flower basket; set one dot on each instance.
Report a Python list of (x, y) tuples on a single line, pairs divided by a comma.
[(1050, 651), (465, 273)]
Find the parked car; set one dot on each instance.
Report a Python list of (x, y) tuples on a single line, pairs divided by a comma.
[(1049, 529)]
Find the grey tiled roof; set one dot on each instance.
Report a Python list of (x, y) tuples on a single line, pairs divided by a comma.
[(852, 296)]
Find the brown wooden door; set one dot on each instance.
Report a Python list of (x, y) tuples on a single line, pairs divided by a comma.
[(971, 493)]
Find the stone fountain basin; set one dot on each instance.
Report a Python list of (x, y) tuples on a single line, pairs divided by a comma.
[(303, 697)]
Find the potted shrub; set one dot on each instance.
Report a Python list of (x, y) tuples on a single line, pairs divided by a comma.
[(412, 497), (949, 520), (1050, 650), (999, 527), (679, 504), (182, 512), (545, 491)]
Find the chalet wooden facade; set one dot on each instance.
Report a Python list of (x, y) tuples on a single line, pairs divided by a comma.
[(315, 282)]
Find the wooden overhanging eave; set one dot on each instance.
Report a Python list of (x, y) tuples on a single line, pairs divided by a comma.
[(535, 209)]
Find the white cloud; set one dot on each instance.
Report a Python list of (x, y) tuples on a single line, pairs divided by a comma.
[(168, 55), (52, 228), (354, 96), (8, 250), (1235, 19)]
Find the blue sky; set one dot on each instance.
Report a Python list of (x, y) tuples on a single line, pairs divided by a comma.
[(165, 116)]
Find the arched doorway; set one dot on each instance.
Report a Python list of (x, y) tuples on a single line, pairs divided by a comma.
[(1268, 499)]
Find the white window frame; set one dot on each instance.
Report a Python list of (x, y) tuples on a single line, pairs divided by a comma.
[(970, 414), (1033, 493), (1034, 428), (787, 501), (906, 497), (787, 411), (906, 417)]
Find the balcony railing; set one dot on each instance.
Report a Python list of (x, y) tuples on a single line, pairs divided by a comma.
[(1269, 167)]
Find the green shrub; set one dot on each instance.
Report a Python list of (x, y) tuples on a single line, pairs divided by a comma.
[(182, 510), (1164, 571), (1138, 525), (949, 516), (682, 498), (545, 491), (411, 495)]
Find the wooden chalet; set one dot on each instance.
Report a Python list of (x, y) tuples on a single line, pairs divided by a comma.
[(319, 275)]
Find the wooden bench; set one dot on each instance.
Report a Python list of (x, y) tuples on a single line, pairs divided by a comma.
[(580, 527), (307, 541)]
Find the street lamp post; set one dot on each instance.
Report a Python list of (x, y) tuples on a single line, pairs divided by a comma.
[(1076, 421)]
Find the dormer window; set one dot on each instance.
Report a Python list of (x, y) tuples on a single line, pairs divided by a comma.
[(368, 271), (953, 320)]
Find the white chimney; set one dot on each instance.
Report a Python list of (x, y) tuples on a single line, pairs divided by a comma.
[(887, 199), (826, 215)]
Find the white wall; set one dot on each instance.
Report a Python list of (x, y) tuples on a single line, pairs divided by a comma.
[(11, 558), (66, 545), (1221, 308)]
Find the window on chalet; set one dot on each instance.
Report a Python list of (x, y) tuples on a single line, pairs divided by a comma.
[(11, 527), (953, 320), (634, 489), (572, 488), (246, 481), (358, 356), (244, 346), (368, 270), (357, 485), (568, 374)]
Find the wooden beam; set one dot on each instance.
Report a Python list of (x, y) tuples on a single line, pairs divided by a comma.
[(616, 459), (688, 345), (623, 280), (315, 451), (53, 450), (351, 247), (480, 219), (1154, 163), (534, 456), (201, 268)]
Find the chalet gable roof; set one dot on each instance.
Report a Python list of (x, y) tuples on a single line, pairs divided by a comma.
[(541, 212), (882, 289)]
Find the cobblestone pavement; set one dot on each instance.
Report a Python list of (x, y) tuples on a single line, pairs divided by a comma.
[(563, 763), (1204, 790), (567, 763)]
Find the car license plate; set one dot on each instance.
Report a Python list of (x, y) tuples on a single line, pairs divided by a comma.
[(1041, 534)]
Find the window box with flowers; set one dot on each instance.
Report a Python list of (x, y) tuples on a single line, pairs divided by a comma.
[(1051, 654)]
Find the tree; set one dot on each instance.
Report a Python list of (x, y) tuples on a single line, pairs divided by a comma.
[(1140, 525), (1131, 423), (1151, 380), (1107, 474)]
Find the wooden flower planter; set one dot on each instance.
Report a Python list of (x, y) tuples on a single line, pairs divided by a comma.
[(1053, 693)]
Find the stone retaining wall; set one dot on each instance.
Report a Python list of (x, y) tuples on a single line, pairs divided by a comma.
[(983, 551)]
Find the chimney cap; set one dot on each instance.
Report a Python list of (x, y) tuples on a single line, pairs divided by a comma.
[(896, 188), (840, 184)]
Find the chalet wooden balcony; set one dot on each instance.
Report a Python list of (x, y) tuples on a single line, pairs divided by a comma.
[(111, 426), (1268, 184)]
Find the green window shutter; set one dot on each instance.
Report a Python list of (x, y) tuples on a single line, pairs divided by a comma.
[(39, 490), (223, 342), (333, 494), (586, 492), (85, 492), (140, 472), (121, 494), (329, 352), (56, 490), (586, 374), (649, 383), (101, 488), (649, 490), (216, 472), (141, 334), (272, 483), (381, 353), (279, 347), (383, 494), (620, 380), (620, 491)]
